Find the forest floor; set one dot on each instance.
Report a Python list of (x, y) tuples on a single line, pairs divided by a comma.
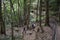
[(30, 34), (47, 35), (58, 33)]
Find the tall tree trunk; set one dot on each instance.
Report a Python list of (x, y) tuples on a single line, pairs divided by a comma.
[(37, 11), (11, 9), (27, 12), (19, 14), (59, 14), (40, 11), (2, 26), (58, 6), (47, 13)]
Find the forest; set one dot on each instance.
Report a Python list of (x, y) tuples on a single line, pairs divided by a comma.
[(29, 19)]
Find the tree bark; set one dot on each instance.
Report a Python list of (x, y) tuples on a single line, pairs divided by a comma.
[(37, 11), (2, 26), (27, 12), (11, 9), (19, 14), (47, 13), (58, 8), (40, 11)]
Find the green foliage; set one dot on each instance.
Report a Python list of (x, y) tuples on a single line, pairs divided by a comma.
[(53, 5), (15, 15)]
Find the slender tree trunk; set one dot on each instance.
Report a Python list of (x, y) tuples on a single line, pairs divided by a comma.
[(59, 14), (11, 9), (28, 12), (47, 13), (19, 14), (40, 11), (2, 26), (37, 12), (25, 11), (58, 8)]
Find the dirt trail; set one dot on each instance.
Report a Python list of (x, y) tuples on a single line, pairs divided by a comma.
[(32, 35), (47, 35), (58, 33)]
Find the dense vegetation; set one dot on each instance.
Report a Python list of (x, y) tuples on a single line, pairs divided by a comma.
[(20, 13)]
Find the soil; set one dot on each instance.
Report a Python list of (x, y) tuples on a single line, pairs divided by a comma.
[(31, 34)]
